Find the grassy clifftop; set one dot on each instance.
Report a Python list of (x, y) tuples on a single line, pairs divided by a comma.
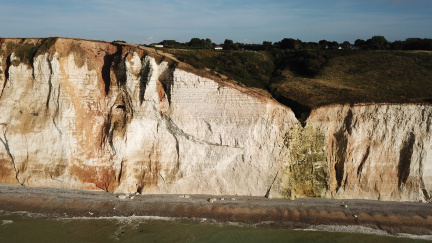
[(362, 76), (305, 80)]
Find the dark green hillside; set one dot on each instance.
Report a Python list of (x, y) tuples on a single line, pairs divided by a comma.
[(361, 76)]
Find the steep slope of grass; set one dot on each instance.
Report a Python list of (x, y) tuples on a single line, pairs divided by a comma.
[(369, 76)]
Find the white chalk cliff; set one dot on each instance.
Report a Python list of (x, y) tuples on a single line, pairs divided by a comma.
[(93, 115)]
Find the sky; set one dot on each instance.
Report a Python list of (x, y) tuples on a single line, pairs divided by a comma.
[(245, 21)]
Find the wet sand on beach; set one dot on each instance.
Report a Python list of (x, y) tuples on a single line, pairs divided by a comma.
[(364, 216)]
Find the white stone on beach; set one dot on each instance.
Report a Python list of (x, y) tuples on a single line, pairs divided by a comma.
[(211, 200)]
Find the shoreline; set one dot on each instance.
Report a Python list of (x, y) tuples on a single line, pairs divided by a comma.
[(404, 219)]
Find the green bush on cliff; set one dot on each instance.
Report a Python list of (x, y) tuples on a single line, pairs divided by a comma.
[(306, 173), (46, 45), (24, 52)]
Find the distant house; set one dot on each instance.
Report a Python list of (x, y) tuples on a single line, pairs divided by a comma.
[(340, 47), (158, 45), (218, 48), (337, 47)]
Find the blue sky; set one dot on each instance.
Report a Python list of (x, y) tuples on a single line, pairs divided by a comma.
[(247, 21)]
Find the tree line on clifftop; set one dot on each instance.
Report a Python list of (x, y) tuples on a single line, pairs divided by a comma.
[(374, 43)]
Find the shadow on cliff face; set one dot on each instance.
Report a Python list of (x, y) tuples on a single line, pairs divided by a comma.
[(6, 73), (338, 153), (301, 111), (405, 161), (166, 79), (340, 146), (144, 78), (109, 61)]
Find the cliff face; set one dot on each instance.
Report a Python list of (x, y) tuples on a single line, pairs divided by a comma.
[(92, 115), (371, 151)]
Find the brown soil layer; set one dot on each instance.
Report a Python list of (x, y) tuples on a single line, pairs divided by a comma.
[(392, 217)]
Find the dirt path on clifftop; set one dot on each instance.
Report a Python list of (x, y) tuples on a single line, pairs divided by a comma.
[(366, 216)]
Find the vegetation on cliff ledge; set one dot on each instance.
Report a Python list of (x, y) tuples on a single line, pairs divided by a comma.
[(306, 171), (26, 49)]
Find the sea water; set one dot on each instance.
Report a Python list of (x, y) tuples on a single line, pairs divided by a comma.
[(24, 227)]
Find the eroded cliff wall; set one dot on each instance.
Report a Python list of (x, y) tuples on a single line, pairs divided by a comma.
[(94, 115), (370, 151)]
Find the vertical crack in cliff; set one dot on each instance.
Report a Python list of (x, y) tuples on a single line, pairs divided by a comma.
[(5, 142), (301, 111), (363, 161), (167, 79), (405, 160), (426, 195), (120, 115), (109, 62), (119, 70), (348, 121), (120, 172), (271, 185), (111, 143), (57, 111), (105, 129), (6, 73), (127, 105), (173, 130), (49, 81), (339, 167), (341, 144), (144, 78)]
